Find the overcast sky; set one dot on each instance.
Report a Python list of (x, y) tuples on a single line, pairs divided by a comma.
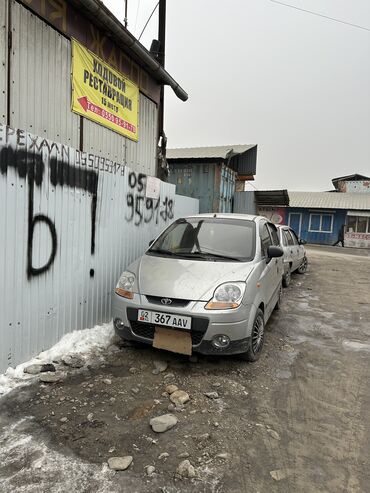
[(257, 72)]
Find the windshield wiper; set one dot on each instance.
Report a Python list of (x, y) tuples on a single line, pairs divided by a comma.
[(203, 254), (163, 252)]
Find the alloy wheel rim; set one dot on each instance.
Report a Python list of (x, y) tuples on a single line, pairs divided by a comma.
[(303, 265), (258, 335)]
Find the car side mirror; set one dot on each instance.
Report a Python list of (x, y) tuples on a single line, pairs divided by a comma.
[(274, 251), (151, 242), (302, 242)]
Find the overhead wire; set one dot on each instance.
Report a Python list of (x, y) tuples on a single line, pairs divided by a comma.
[(147, 22), (137, 13), (321, 15)]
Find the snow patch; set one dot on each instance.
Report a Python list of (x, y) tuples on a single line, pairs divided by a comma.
[(356, 345), (86, 343), (38, 468)]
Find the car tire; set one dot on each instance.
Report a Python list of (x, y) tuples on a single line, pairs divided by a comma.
[(278, 303), (303, 267), (287, 277), (257, 338)]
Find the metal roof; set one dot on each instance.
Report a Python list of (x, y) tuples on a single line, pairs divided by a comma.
[(353, 177), (330, 200), (272, 197), (219, 152)]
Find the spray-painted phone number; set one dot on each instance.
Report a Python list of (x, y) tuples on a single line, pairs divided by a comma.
[(141, 209)]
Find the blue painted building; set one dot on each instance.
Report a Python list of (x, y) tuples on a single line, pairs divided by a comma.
[(316, 225), (317, 217)]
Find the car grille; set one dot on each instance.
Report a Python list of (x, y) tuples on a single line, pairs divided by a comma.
[(175, 302), (147, 330)]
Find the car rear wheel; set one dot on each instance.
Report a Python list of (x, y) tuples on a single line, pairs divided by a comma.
[(287, 277), (257, 338), (303, 267)]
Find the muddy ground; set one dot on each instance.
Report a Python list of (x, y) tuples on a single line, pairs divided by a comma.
[(298, 420)]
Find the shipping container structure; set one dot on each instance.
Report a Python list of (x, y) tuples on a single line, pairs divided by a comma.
[(212, 174), (78, 200)]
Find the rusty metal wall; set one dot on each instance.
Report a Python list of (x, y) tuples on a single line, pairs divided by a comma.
[(70, 223), (3, 59)]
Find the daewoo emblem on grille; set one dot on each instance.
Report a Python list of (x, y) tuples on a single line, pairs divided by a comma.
[(166, 301)]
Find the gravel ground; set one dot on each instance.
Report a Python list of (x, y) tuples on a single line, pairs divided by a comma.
[(298, 420)]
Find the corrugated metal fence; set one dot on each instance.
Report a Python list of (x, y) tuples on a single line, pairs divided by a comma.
[(245, 203), (70, 222), (40, 93)]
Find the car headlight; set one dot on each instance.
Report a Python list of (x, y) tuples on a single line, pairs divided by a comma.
[(226, 296), (125, 285)]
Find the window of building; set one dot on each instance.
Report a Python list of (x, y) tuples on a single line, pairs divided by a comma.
[(352, 224), (321, 223), (358, 224)]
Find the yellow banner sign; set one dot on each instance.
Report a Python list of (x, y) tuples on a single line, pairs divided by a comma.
[(102, 94)]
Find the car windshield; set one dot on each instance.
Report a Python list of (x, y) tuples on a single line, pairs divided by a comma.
[(214, 239)]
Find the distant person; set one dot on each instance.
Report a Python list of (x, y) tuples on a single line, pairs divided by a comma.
[(341, 235)]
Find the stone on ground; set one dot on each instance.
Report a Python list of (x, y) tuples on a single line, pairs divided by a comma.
[(120, 463), (159, 366), (170, 389), (179, 397), (163, 423), (73, 360), (50, 377), (185, 469)]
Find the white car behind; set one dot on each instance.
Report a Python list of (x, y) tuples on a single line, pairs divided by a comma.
[(295, 259)]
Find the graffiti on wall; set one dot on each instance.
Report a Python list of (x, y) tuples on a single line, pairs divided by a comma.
[(142, 209), (42, 163)]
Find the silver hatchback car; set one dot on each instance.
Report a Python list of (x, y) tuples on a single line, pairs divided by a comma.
[(207, 284), (295, 258)]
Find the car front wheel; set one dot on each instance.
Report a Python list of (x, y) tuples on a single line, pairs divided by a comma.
[(257, 338)]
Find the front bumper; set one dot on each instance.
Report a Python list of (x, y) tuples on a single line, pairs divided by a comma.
[(206, 324)]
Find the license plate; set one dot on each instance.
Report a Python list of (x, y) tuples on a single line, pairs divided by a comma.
[(166, 319)]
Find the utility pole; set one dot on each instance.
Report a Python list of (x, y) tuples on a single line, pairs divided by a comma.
[(125, 20), (162, 162)]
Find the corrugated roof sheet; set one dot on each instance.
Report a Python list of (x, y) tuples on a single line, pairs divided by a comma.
[(220, 152), (272, 197), (355, 176), (330, 200)]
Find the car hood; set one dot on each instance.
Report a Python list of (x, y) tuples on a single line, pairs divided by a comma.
[(185, 278)]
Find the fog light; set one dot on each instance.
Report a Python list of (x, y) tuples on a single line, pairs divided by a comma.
[(118, 323), (221, 341)]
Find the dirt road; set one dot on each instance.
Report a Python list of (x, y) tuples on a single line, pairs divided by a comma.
[(298, 420)]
